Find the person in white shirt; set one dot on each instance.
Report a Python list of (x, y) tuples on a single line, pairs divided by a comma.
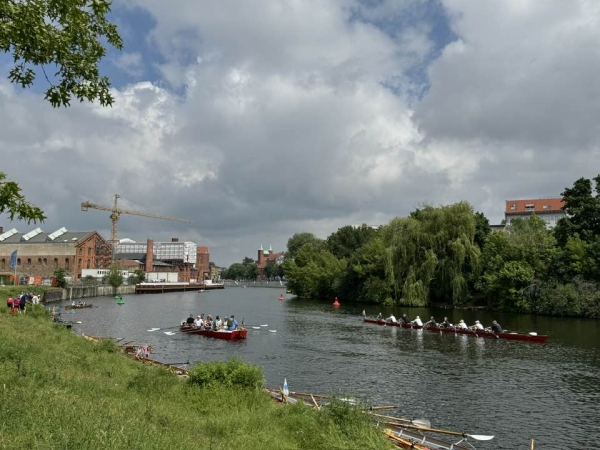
[(462, 325), (477, 326), (391, 319), (198, 322), (418, 322)]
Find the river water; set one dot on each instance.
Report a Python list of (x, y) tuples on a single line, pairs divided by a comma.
[(514, 390)]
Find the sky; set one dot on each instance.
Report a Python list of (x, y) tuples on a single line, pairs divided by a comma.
[(258, 120)]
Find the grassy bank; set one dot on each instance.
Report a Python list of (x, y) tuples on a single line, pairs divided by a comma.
[(59, 391), (12, 291)]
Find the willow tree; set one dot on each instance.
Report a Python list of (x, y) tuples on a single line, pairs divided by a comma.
[(431, 254)]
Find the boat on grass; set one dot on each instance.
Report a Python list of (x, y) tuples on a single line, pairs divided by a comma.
[(511, 336), (240, 333)]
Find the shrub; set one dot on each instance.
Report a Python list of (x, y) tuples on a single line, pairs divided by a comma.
[(234, 372)]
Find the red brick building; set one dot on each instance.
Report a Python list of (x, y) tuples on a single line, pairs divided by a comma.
[(266, 256), (203, 263), (548, 209)]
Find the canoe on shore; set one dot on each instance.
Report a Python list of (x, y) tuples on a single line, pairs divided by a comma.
[(511, 336), (240, 333)]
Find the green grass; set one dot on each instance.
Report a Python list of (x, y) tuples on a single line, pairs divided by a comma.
[(59, 391), (12, 291)]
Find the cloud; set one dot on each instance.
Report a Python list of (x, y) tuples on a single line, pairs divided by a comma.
[(131, 63), (281, 117)]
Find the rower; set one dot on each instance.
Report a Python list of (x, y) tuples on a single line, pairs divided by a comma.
[(446, 323), (496, 328), (405, 319), (392, 319), (379, 316), (462, 325), (418, 322), (430, 323), (477, 326), (199, 322), (190, 320)]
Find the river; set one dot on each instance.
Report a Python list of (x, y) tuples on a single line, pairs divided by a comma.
[(514, 390)]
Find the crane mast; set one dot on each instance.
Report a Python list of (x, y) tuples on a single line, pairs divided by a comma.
[(115, 213)]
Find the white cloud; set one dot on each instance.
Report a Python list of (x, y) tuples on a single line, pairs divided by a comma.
[(286, 122), (131, 63)]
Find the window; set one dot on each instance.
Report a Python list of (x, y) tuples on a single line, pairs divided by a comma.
[(80, 251), (56, 263), (529, 207), (67, 263), (4, 264), (45, 261), (513, 206), (39, 261), (18, 261), (89, 251), (79, 263), (28, 262), (88, 263)]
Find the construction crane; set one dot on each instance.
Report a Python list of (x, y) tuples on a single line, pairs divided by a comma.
[(115, 212)]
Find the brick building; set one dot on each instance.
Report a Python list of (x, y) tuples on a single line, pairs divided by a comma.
[(266, 256), (40, 254), (548, 209), (203, 263)]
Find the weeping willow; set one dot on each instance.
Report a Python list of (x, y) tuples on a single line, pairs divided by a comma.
[(430, 254)]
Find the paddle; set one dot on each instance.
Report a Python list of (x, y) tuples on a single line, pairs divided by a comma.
[(477, 437), (406, 444), (315, 402), (416, 422)]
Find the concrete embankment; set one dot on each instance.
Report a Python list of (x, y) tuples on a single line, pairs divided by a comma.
[(85, 292)]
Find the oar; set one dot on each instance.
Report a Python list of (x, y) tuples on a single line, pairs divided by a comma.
[(406, 444), (416, 422), (315, 402), (477, 437), (378, 408)]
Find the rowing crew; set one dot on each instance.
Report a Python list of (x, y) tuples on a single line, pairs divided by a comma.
[(209, 324), (495, 327)]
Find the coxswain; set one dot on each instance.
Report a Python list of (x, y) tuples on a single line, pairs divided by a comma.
[(462, 325), (392, 319), (496, 328), (190, 320), (430, 323), (477, 326), (405, 319), (418, 322)]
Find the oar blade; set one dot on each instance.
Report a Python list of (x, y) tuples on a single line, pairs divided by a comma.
[(421, 423), (481, 437)]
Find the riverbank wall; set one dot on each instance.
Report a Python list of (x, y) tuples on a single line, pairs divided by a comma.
[(75, 292)]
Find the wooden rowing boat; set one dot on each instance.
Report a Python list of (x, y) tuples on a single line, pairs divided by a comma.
[(85, 305), (227, 335), (479, 333)]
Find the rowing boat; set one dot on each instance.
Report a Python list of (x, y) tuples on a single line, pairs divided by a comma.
[(85, 305), (512, 336), (220, 334)]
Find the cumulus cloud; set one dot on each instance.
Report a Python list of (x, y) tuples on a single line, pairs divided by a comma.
[(285, 116)]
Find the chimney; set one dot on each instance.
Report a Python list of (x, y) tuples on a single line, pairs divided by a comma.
[(1, 230), (149, 255), (174, 239)]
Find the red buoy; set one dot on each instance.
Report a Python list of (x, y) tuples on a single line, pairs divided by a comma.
[(336, 303), (281, 297)]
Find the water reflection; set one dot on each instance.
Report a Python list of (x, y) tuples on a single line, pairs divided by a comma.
[(515, 390)]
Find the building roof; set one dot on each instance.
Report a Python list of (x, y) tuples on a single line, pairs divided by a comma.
[(538, 205), (37, 236)]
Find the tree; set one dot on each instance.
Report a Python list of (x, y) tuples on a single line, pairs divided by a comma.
[(345, 241), (59, 275), (13, 202), (482, 229), (298, 240), (139, 276), (115, 279), (314, 273), (583, 212), (68, 34), (247, 260)]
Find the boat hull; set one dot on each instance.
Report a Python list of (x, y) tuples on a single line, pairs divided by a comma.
[(225, 335), (78, 306), (479, 333)]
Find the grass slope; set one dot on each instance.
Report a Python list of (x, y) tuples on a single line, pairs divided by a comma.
[(59, 391)]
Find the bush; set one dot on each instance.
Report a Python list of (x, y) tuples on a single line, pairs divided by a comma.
[(234, 372)]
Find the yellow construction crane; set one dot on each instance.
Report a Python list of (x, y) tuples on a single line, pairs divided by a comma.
[(116, 212)]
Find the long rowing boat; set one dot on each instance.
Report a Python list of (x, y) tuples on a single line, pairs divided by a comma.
[(85, 305), (512, 336), (240, 333)]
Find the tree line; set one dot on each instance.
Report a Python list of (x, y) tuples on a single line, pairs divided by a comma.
[(449, 255)]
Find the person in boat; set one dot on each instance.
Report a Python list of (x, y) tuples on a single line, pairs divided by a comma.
[(80, 303), (462, 325), (496, 328), (209, 322), (199, 322), (190, 320), (446, 323), (392, 319), (379, 316), (217, 324), (418, 322), (405, 320), (232, 323), (430, 323), (477, 326)]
